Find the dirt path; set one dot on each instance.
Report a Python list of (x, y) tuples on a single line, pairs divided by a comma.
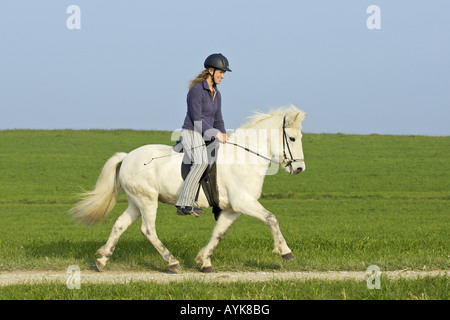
[(11, 278)]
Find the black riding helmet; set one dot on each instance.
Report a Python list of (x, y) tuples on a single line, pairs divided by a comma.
[(217, 61)]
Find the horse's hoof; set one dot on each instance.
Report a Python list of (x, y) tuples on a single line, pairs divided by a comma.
[(288, 256), (207, 270), (100, 265), (175, 268)]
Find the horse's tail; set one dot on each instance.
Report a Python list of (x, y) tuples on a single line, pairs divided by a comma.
[(97, 204)]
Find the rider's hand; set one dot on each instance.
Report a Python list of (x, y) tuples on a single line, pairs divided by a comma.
[(222, 137)]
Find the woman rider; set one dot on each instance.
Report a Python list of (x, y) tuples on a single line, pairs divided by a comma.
[(203, 123)]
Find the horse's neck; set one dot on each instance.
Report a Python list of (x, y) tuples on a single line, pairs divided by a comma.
[(255, 140), (258, 137), (250, 147)]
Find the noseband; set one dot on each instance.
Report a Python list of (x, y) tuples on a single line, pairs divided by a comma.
[(287, 161)]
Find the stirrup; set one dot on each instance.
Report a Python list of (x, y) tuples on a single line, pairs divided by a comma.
[(184, 211)]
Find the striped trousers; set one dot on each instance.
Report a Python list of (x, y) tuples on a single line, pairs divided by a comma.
[(195, 149)]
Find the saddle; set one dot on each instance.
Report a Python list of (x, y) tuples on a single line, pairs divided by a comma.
[(208, 181)]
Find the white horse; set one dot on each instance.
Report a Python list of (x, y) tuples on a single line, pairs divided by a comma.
[(151, 173)]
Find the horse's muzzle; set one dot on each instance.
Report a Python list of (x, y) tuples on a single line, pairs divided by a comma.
[(291, 168)]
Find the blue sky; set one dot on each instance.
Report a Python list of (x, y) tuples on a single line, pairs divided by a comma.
[(129, 64)]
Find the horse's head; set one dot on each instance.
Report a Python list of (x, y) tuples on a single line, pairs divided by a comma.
[(284, 127), (290, 150)]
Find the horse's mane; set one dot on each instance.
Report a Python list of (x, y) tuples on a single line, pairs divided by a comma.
[(290, 111)]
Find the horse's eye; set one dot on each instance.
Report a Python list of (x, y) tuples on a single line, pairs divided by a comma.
[(292, 139)]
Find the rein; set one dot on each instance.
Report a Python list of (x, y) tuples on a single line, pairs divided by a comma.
[(251, 151), (286, 160)]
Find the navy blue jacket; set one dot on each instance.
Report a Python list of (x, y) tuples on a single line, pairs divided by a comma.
[(204, 111)]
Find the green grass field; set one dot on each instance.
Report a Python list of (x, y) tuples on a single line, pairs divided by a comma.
[(363, 200), (428, 288)]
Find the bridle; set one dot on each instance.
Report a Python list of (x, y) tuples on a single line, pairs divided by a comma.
[(287, 161)]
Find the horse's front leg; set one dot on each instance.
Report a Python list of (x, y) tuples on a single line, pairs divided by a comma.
[(253, 208), (224, 222)]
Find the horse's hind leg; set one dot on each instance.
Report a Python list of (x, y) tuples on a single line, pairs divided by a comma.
[(224, 222), (127, 218), (148, 229)]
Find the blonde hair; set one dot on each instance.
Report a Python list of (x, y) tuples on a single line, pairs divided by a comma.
[(200, 78)]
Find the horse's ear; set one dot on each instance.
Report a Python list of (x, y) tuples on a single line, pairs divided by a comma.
[(292, 119)]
